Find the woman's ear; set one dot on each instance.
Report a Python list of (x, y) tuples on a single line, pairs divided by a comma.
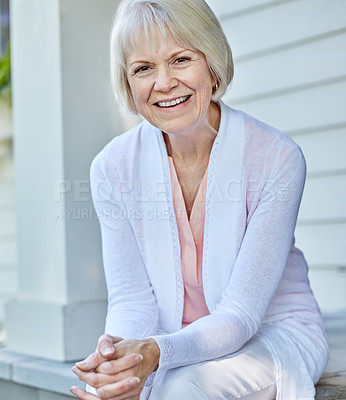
[(216, 85)]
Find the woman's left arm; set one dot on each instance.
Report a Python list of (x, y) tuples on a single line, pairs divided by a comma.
[(255, 276)]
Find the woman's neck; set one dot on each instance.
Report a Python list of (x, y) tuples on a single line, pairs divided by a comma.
[(194, 146)]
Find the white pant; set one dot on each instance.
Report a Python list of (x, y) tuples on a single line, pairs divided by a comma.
[(248, 374)]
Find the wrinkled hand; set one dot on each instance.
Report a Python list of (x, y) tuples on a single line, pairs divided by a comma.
[(117, 369)]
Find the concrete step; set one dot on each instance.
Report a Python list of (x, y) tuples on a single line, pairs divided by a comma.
[(332, 385)]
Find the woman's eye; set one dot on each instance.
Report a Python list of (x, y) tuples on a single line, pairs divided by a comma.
[(144, 68), (182, 60)]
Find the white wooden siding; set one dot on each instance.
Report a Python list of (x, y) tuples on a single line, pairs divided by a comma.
[(226, 8), (283, 25), (323, 244), (305, 108), (319, 192), (290, 71), (331, 143)]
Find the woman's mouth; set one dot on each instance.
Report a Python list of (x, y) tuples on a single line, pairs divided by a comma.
[(166, 104)]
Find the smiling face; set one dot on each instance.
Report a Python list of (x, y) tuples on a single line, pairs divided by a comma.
[(171, 86)]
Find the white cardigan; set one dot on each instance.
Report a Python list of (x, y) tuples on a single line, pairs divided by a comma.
[(254, 279)]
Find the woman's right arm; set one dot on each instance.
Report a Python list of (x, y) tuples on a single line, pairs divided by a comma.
[(132, 308)]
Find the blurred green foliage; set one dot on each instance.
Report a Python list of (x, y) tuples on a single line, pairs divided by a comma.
[(5, 74)]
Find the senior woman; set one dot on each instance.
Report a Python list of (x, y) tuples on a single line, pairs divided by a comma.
[(208, 297)]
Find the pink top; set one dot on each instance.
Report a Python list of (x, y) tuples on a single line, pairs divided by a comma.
[(191, 244)]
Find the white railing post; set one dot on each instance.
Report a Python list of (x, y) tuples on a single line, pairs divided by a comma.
[(63, 115)]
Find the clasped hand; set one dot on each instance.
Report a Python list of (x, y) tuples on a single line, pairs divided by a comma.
[(117, 369)]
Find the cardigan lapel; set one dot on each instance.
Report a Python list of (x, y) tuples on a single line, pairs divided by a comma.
[(225, 216), (160, 231)]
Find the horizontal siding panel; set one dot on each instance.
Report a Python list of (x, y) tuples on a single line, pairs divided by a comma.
[(321, 106), (324, 198), (222, 7), (323, 244), (324, 151), (7, 223), (8, 253), (277, 26), (323, 283), (294, 67)]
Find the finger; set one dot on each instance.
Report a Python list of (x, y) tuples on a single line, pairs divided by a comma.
[(91, 362), (121, 390), (121, 364), (82, 394), (96, 380), (105, 345), (113, 339)]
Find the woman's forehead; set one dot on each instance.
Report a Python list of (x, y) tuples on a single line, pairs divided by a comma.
[(154, 42)]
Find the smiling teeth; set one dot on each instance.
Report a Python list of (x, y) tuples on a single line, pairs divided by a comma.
[(172, 103)]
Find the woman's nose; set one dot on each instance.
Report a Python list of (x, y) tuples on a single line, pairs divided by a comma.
[(165, 80)]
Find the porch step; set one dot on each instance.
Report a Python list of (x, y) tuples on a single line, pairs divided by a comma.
[(332, 385)]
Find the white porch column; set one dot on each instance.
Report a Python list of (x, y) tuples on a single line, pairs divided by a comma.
[(63, 115)]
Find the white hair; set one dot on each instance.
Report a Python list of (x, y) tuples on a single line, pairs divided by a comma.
[(192, 24)]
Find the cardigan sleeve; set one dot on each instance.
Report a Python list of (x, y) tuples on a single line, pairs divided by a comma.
[(255, 275), (132, 308)]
